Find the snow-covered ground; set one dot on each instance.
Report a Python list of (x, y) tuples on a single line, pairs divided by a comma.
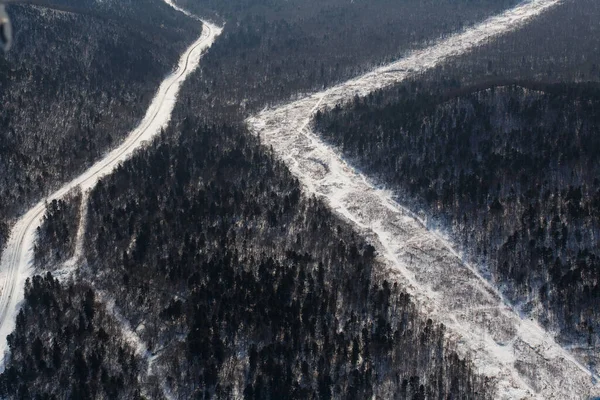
[(132, 338), (16, 262), (524, 360)]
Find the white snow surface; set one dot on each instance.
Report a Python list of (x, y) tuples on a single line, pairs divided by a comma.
[(70, 266), (522, 359), (16, 264)]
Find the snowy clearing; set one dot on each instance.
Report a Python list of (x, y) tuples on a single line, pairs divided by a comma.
[(524, 360), (16, 264)]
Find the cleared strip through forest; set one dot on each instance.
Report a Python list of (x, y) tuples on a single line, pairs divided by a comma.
[(16, 264), (524, 360)]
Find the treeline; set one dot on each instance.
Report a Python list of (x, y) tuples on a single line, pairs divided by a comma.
[(238, 284), (236, 9), (151, 14), (559, 46), (241, 286), (511, 170), (271, 51), (73, 85), (66, 345)]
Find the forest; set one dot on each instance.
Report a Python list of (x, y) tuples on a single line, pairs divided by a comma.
[(67, 345), (500, 148), (559, 46), (203, 249), (271, 51), (242, 285), (73, 85), (510, 170)]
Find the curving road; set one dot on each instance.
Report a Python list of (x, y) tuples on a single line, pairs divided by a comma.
[(17, 258)]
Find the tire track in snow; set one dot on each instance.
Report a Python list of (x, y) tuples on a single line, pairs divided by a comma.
[(521, 357), (16, 264)]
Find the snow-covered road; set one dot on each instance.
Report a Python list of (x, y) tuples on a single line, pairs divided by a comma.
[(16, 261), (524, 360)]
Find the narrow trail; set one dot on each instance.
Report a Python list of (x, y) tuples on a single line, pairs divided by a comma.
[(17, 258), (140, 348), (518, 354)]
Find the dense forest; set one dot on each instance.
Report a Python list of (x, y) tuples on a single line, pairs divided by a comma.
[(498, 148), (236, 9), (204, 249), (559, 46), (75, 83), (271, 50), (511, 169), (241, 285), (67, 345)]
